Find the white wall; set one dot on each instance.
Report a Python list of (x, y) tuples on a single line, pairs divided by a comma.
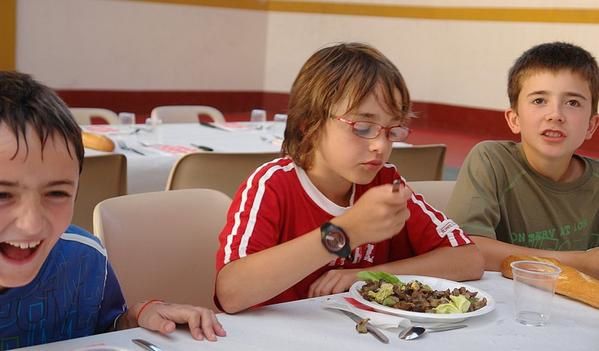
[(130, 45), (115, 44)]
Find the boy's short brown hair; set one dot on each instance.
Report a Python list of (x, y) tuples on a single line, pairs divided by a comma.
[(26, 102), (554, 57), (348, 70)]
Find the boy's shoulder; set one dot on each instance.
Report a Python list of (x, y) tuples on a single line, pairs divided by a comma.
[(492, 153), (592, 163), (496, 147), (76, 253), (77, 238)]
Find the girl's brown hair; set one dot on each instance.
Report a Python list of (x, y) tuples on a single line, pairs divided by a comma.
[(348, 70)]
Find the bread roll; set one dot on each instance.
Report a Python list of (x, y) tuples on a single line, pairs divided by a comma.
[(571, 283), (97, 141)]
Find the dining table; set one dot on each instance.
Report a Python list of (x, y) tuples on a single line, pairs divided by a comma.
[(307, 325), (151, 151)]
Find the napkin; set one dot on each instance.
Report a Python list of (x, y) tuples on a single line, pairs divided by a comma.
[(378, 319), (173, 149), (100, 128)]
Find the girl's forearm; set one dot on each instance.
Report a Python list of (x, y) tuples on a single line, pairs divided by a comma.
[(263, 275)]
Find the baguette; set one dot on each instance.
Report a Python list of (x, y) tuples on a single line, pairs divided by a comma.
[(571, 283), (97, 142)]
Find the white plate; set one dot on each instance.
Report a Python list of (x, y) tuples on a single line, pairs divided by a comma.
[(435, 284)]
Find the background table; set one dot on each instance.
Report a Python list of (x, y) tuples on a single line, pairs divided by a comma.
[(306, 325), (164, 144)]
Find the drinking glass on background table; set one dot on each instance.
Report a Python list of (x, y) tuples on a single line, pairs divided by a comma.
[(127, 119), (534, 287), (280, 117), (258, 116)]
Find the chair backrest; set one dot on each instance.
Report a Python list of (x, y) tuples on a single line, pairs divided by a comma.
[(103, 177), (221, 171), (83, 115), (162, 245), (419, 162), (435, 192), (185, 113)]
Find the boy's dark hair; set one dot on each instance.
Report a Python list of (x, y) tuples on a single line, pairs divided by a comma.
[(347, 70), (554, 57), (26, 102)]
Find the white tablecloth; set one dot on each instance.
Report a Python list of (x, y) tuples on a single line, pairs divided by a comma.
[(166, 143), (163, 145), (305, 325)]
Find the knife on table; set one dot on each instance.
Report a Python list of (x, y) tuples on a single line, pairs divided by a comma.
[(202, 147), (369, 327)]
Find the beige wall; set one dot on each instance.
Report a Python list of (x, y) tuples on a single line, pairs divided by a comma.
[(115, 44), (136, 45), (453, 62)]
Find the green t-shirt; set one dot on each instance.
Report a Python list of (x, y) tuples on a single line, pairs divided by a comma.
[(499, 195)]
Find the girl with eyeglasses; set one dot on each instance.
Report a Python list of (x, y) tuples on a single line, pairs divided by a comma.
[(303, 225)]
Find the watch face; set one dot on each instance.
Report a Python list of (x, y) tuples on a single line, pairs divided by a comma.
[(334, 241)]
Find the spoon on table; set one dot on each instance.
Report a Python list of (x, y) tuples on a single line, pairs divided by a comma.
[(416, 332), (146, 345)]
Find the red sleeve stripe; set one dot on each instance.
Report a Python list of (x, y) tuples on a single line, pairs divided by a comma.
[(270, 168)]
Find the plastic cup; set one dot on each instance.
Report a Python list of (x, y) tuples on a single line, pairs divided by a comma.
[(280, 117), (258, 116), (127, 118), (534, 287)]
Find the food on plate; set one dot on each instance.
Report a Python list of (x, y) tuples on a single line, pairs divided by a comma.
[(571, 282), (458, 304), (388, 290), (97, 141), (374, 276)]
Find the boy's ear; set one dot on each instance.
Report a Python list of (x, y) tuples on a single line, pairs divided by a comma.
[(513, 120), (593, 124)]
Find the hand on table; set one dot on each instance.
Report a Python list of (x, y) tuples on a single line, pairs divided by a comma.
[(163, 317), (333, 282)]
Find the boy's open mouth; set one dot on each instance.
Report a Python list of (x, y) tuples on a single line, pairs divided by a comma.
[(18, 251), (553, 134)]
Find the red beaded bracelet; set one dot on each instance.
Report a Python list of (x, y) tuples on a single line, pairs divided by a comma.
[(146, 305)]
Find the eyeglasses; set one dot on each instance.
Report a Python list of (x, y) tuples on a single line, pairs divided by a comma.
[(371, 130)]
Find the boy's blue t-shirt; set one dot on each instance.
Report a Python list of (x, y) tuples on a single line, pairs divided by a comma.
[(75, 294)]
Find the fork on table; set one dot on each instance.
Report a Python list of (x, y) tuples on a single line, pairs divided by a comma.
[(123, 145)]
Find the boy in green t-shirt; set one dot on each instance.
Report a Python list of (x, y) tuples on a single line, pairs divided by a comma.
[(538, 197)]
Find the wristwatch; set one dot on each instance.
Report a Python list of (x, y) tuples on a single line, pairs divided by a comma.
[(335, 240)]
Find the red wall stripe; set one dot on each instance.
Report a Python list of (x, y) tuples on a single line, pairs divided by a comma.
[(472, 122)]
